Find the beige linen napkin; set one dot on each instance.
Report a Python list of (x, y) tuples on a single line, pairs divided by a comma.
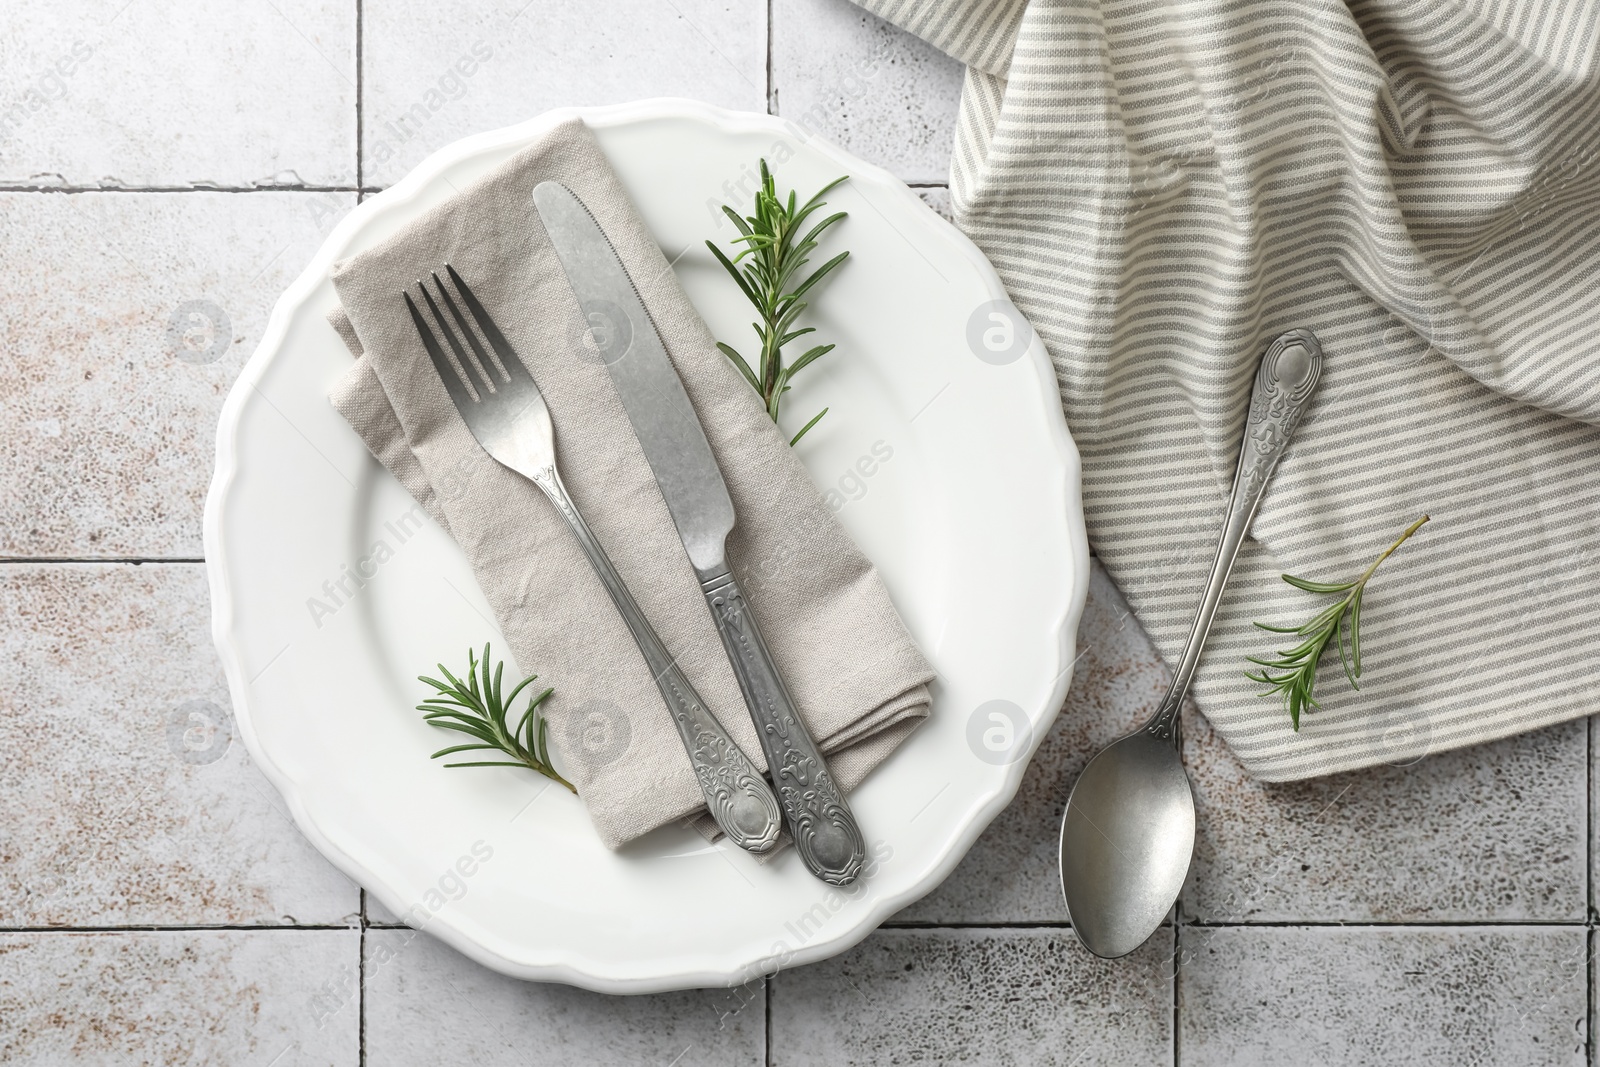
[(859, 680)]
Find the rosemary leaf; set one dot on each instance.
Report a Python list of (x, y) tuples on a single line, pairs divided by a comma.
[(1292, 674), (770, 259), (478, 709)]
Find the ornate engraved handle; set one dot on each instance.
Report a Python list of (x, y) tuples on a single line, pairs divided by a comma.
[(1282, 391), (737, 795), (825, 832)]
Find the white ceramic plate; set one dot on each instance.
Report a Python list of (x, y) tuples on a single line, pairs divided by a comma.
[(973, 519)]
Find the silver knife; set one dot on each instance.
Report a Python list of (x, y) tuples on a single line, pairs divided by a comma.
[(819, 818)]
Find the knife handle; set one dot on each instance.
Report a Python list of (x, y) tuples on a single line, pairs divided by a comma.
[(824, 829), (738, 797)]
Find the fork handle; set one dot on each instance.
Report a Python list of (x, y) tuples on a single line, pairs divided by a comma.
[(737, 795), (824, 829)]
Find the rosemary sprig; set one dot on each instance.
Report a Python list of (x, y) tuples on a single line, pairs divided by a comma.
[(773, 256), (478, 709), (1298, 665)]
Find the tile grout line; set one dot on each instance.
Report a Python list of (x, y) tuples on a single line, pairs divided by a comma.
[(175, 928), (1280, 924), (767, 983), (361, 940), (360, 99), (136, 561), (1177, 1004), (76, 190), (767, 102), (361, 987), (1248, 924), (767, 986), (1393, 924)]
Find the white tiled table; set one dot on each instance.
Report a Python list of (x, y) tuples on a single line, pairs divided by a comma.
[(158, 906)]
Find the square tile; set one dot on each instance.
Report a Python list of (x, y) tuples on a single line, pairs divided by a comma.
[(144, 93), (127, 317), (854, 79), (434, 72), (427, 1004), (129, 798), (1451, 996), (1496, 832), (978, 997), (175, 997)]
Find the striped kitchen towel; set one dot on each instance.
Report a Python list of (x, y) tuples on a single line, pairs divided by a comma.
[(1165, 186)]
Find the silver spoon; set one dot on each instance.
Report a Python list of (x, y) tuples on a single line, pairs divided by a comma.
[(1128, 832)]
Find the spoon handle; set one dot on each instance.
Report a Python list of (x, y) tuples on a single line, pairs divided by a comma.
[(1284, 381)]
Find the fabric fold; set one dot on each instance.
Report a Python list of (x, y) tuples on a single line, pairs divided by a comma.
[(1164, 188)]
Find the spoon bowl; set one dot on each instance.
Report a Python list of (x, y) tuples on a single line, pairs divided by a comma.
[(1126, 840)]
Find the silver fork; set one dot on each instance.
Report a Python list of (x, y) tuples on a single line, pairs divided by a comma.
[(502, 406)]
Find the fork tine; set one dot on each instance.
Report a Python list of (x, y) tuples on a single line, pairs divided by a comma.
[(460, 391), (468, 366), (497, 340), (485, 363)]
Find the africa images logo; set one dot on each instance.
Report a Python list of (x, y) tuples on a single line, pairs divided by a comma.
[(352, 578)]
